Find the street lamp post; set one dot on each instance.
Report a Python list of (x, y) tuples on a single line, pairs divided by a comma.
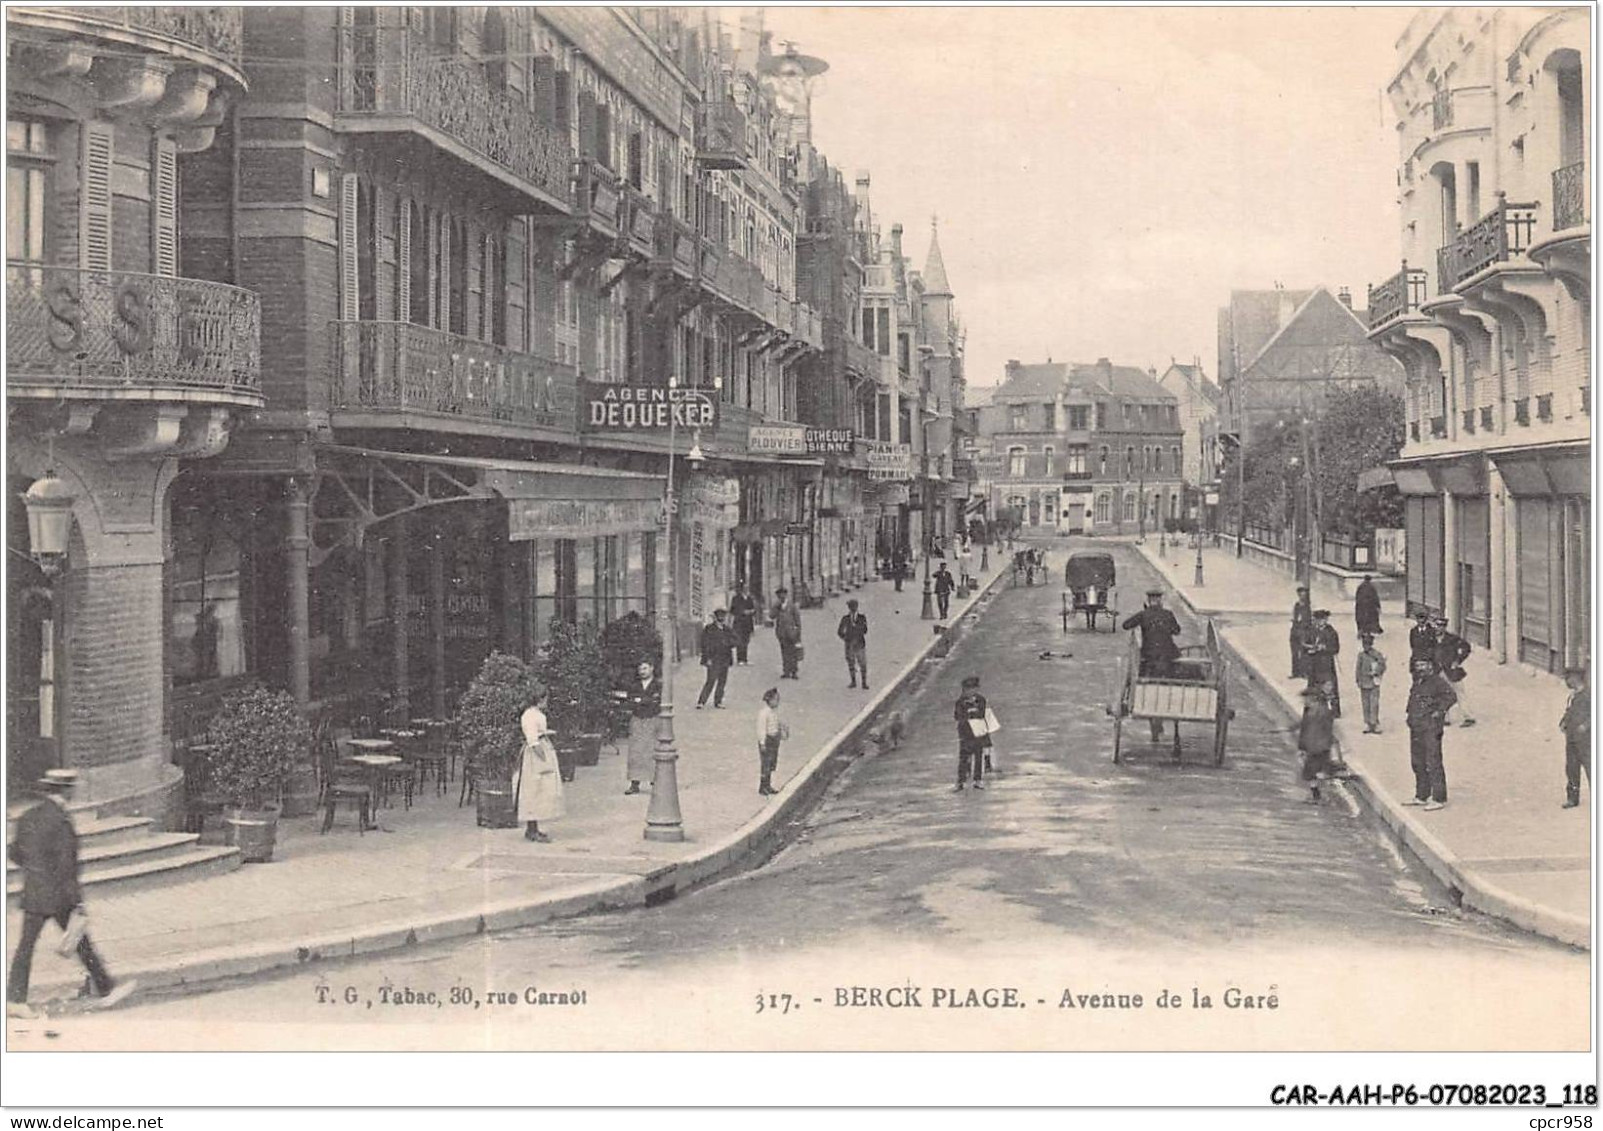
[(49, 502), (927, 612), (664, 821)]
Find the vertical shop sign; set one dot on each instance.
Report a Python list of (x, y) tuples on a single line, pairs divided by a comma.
[(698, 571)]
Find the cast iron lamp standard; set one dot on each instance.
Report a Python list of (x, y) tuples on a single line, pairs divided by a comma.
[(927, 612), (49, 502), (664, 822)]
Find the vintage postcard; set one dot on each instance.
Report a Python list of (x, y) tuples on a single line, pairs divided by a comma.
[(804, 529)]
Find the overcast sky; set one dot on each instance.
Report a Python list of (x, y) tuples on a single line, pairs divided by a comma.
[(1105, 176)]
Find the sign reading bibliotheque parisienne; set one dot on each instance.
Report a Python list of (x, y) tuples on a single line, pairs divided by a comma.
[(645, 408)]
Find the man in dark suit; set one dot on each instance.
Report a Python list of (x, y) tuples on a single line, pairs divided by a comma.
[(717, 653), (743, 609), (1422, 637), (1158, 649), (853, 631), (46, 848), (943, 588), (1366, 607), (1302, 618), (1323, 644), (971, 747)]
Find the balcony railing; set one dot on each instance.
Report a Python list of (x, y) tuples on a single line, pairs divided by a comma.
[(1398, 296), (1522, 411), (1544, 406), (860, 359), (1438, 428), (114, 330), (383, 367), (597, 196), (739, 282), (721, 135), (1076, 476), (383, 74), (1486, 418), (640, 223), (216, 31), (677, 248), (1503, 232), (1569, 197)]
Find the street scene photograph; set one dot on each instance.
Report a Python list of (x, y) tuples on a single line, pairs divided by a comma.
[(615, 529)]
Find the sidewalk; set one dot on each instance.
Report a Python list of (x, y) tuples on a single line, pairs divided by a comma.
[(1503, 841), (430, 873)]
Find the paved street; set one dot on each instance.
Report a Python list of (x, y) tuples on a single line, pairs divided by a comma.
[(1067, 874)]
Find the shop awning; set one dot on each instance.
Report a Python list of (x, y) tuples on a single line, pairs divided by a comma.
[(1375, 478), (357, 487)]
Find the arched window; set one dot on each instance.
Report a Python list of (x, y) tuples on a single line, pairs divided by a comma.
[(1016, 463)]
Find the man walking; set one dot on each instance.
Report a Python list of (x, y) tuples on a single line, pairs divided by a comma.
[(717, 653), (46, 848), (1576, 724), (787, 630), (1429, 700), (1371, 669), (971, 747), (899, 568), (743, 611), (1366, 607), (853, 631), (1158, 650), (943, 588)]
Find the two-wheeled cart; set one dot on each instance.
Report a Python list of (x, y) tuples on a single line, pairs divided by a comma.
[(1193, 689), (1090, 584)]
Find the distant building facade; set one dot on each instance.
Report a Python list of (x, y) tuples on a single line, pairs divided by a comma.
[(1198, 399)]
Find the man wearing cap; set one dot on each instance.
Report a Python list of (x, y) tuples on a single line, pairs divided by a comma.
[(46, 848), (943, 589), (853, 631), (1323, 645), (717, 653), (971, 747), (1158, 649), (1301, 618), (787, 630), (1429, 700), (1366, 607), (1451, 652), (1422, 637)]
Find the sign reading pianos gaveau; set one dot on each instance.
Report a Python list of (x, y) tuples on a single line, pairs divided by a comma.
[(606, 407)]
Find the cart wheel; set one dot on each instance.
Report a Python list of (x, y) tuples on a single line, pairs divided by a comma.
[(1118, 731)]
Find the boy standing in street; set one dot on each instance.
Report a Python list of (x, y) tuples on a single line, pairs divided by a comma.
[(971, 747), (1576, 724), (771, 731), (853, 631), (1371, 667), (1315, 737), (1429, 700)]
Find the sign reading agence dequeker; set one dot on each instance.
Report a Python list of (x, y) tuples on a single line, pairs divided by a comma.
[(645, 408)]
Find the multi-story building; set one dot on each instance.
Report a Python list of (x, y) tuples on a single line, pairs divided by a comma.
[(494, 251), (130, 357), (1489, 313), (1094, 449), (1198, 405)]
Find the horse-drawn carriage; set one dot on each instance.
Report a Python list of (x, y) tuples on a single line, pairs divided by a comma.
[(1090, 582), (1191, 689)]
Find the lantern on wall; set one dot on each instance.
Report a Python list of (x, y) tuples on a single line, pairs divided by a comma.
[(49, 502)]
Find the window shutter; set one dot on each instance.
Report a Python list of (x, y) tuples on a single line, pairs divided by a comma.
[(348, 235), (545, 89), (164, 206), (403, 260), (94, 228), (442, 275), (587, 125)]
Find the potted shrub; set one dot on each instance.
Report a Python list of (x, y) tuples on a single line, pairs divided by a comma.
[(257, 738), (575, 670), (628, 641), (487, 726)]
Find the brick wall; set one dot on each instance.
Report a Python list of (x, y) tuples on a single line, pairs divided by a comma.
[(297, 281), (115, 654)]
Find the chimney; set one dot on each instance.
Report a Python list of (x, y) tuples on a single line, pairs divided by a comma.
[(1104, 368), (1345, 297), (863, 211), (1287, 307), (1012, 368), (896, 241)]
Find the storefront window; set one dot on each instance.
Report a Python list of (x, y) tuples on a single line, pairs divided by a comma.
[(205, 634)]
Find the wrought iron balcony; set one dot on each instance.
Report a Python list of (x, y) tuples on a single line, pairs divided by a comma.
[(640, 223), (1569, 197), (389, 82), (384, 368), (1438, 428), (1522, 411), (1505, 231), (1397, 297), (721, 135), (122, 334), (739, 282), (677, 246), (1544, 406), (598, 197), (1076, 476), (216, 31)]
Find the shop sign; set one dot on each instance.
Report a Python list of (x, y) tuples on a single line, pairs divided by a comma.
[(894, 495), (890, 461), (715, 501), (698, 572), (528, 519), (777, 439), (826, 440), (644, 408)]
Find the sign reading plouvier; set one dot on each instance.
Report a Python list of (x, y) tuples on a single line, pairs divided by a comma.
[(645, 408)]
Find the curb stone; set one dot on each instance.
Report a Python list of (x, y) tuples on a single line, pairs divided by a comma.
[(750, 842)]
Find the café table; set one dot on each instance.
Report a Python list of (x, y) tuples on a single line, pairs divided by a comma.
[(377, 765)]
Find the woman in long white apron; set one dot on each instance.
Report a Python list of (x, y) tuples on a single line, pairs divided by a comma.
[(644, 697), (539, 784)]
